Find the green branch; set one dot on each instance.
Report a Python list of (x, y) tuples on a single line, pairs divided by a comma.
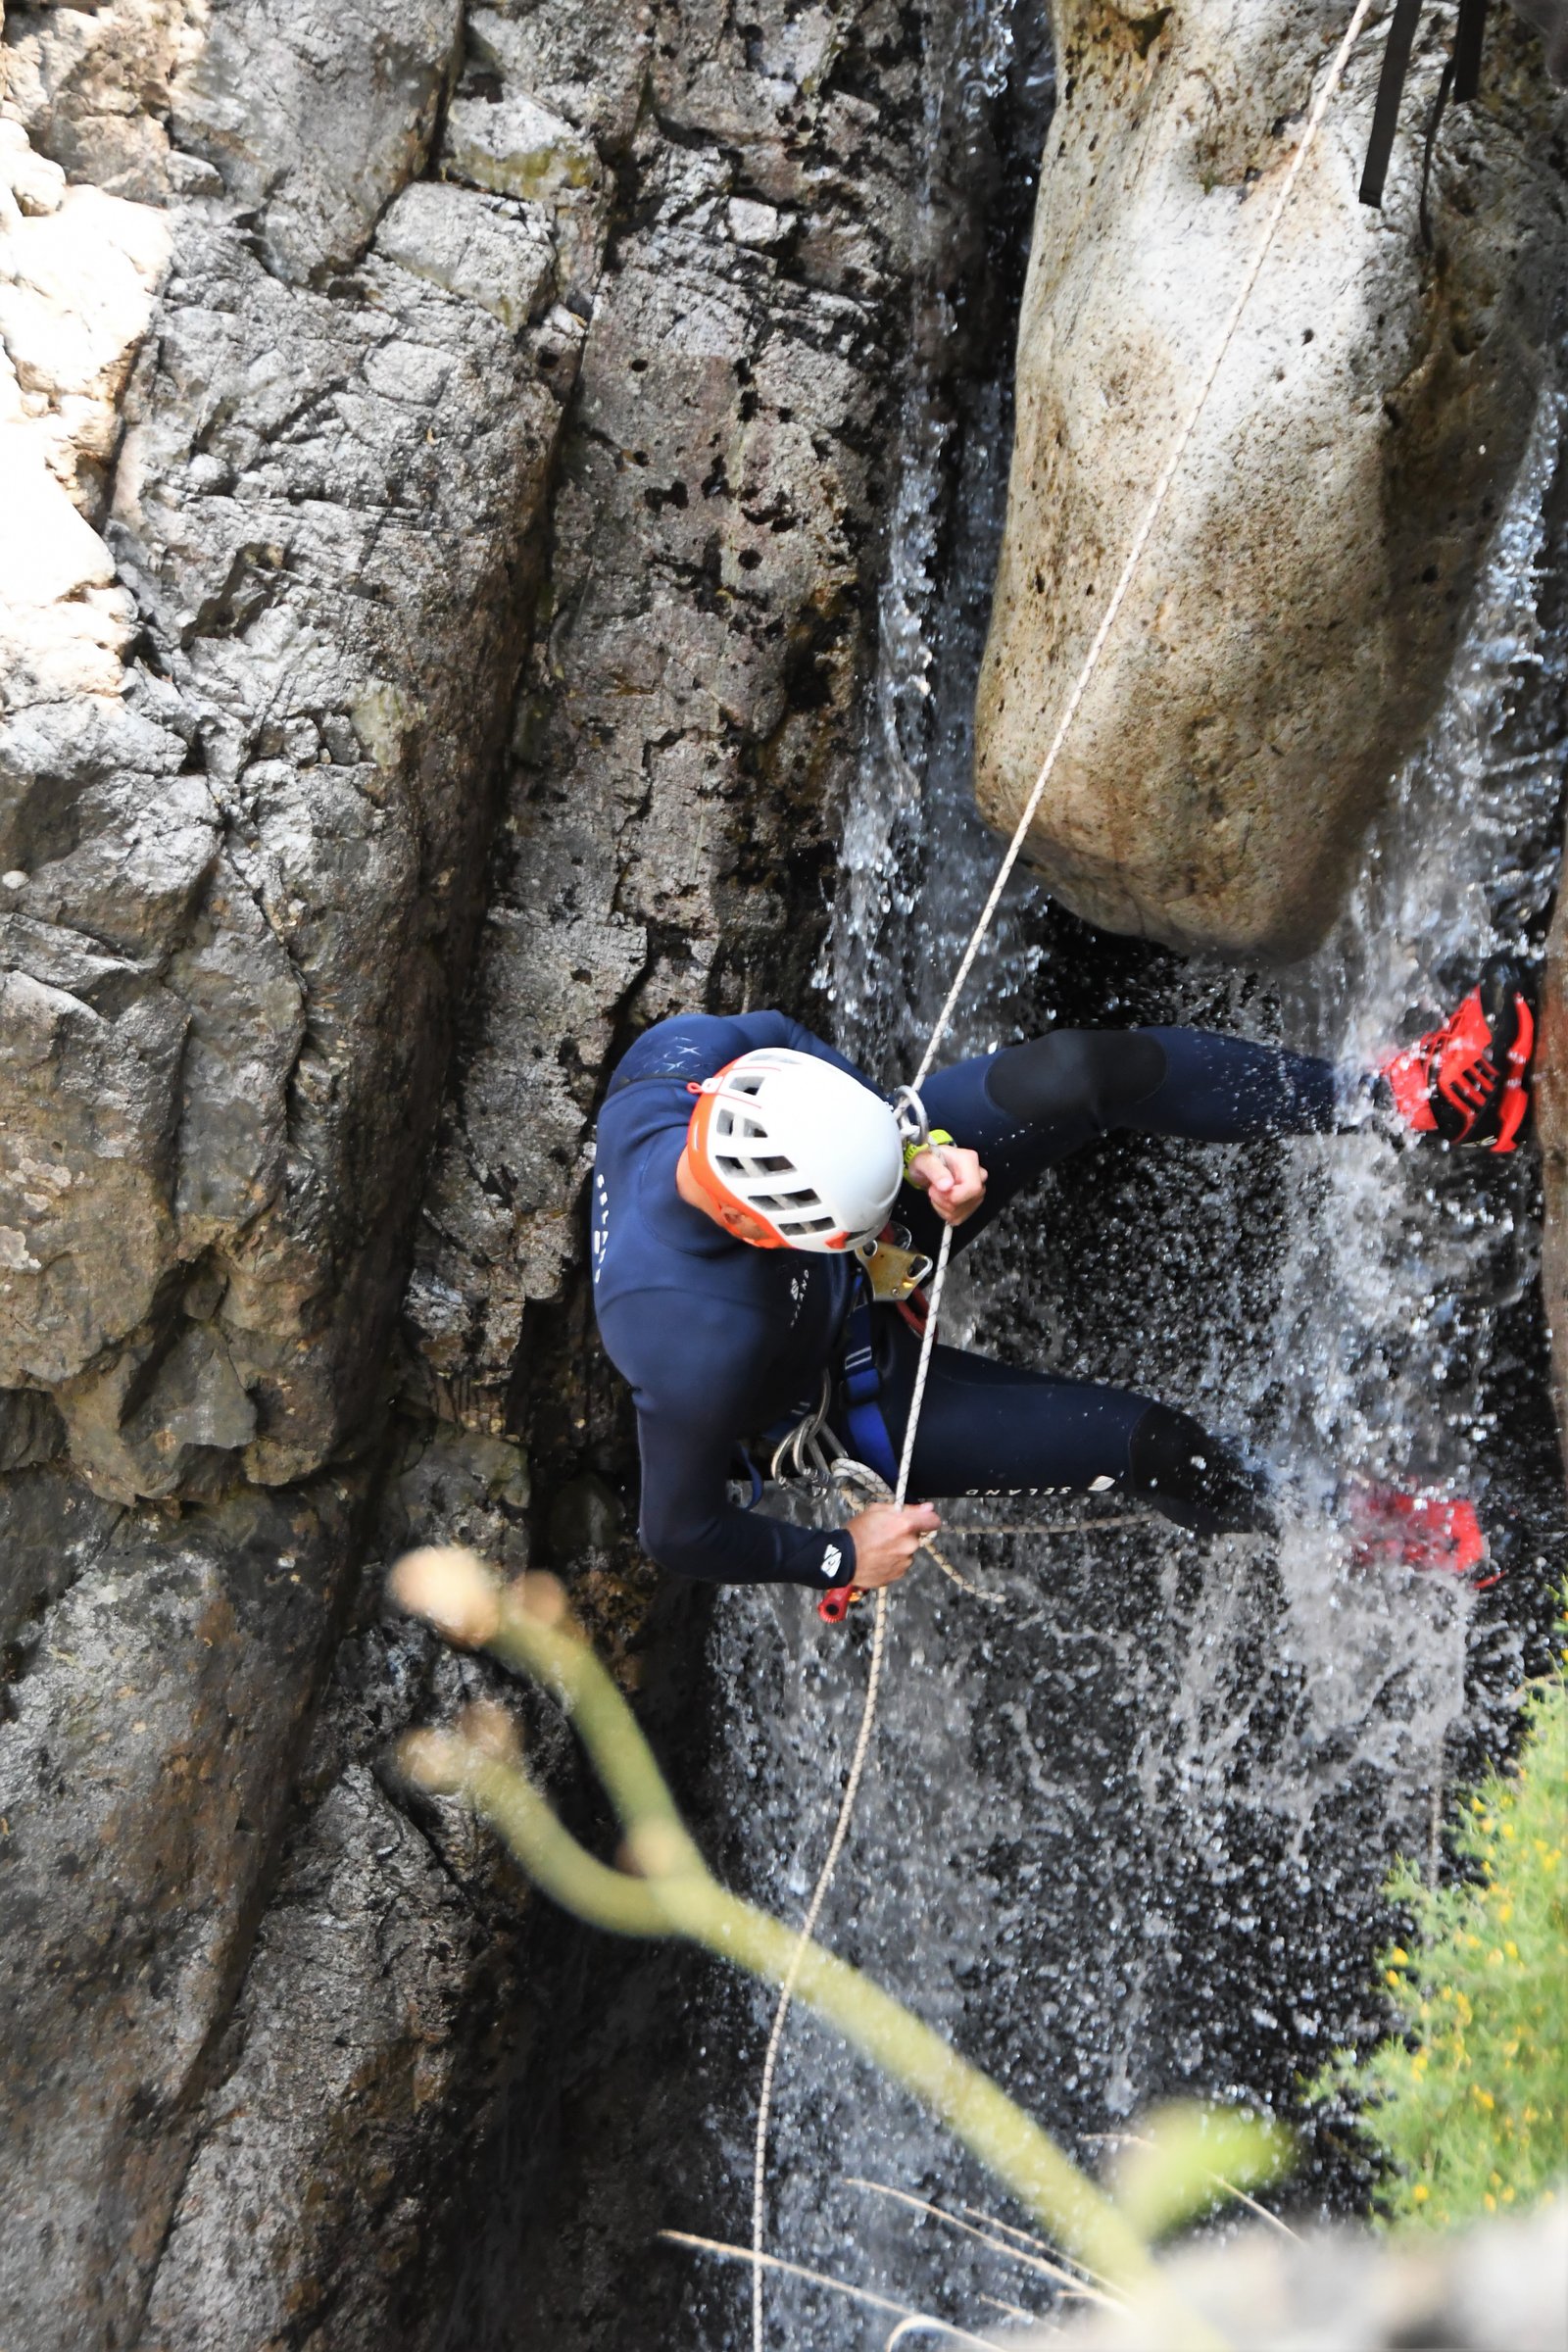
[(668, 1890)]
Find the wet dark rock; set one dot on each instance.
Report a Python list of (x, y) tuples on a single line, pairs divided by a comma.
[(585, 1516)]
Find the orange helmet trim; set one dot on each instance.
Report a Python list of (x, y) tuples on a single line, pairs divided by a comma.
[(708, 1180)]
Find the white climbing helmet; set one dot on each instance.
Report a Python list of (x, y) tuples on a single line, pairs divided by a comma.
[(799, 1145)]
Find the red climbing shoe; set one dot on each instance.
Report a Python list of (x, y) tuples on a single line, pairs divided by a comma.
[(1466, 1081), (1391, 1528)]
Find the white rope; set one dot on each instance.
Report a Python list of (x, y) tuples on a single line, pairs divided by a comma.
[(841, 1825), (1108, 621)]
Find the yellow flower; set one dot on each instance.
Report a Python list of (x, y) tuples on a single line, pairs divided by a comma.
[(1508, 2196), (1512, 1950), (1482, 2098), (1489, 2202), (1420, 2193), (1401, 1956)]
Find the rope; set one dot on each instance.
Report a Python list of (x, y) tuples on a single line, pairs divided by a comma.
[(841, 1825), (1108, 621)]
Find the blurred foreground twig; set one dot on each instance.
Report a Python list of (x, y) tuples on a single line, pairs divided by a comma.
[(664, 1887)]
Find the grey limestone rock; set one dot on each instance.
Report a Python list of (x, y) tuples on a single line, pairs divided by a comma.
[(345, 2034), (337, 428), (313, 116), (1293, 622), (1550, 20), (91, 85), (501, 255), (159, 1672), (691, 707), (261, 637)]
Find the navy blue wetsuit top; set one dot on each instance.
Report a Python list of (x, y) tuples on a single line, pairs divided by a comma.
[(718, 1338)]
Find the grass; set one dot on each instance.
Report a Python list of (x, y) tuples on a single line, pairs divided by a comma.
[(1469, 2098)]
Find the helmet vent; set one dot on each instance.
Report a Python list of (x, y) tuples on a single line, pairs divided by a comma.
[(804, 1146)]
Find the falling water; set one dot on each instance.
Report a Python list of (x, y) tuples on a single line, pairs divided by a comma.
[(1128, 1820)]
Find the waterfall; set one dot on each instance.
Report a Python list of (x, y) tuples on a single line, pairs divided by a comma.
[(1125, 1828)]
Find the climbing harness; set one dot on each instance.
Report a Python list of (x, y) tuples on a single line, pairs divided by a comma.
[(1118, 597), (810, 1457)]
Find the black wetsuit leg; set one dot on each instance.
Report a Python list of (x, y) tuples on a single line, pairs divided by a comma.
[(1030, 1106), (987, 1428)]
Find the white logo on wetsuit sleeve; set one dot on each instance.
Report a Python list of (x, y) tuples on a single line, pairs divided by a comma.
[(832, 1562), (601, 1226)]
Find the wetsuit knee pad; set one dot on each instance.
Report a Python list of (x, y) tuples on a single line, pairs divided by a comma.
[(1195, 1478), (1099, 1074)]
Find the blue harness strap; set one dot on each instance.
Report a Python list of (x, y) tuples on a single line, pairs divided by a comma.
[(745, 1471), (863, 1393)]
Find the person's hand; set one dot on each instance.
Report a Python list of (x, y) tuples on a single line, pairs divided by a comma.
[(887, 1538), (952, 1178)]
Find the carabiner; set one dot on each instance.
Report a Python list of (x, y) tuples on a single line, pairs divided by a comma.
[(910, 1112)]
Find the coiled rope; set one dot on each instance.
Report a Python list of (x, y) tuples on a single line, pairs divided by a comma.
[(1091, 662)]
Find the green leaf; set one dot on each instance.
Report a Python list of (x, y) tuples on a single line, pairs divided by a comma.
[(1187, 2157)]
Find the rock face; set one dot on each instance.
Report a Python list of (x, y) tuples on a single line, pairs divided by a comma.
[(1551, 1126), (160, 1671), (1279, 652), (451, 455)]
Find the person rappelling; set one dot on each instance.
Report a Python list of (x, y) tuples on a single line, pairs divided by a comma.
[(747, 1180), (752, 1280)]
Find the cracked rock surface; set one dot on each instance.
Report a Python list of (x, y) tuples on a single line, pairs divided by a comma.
[(452, 451)]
